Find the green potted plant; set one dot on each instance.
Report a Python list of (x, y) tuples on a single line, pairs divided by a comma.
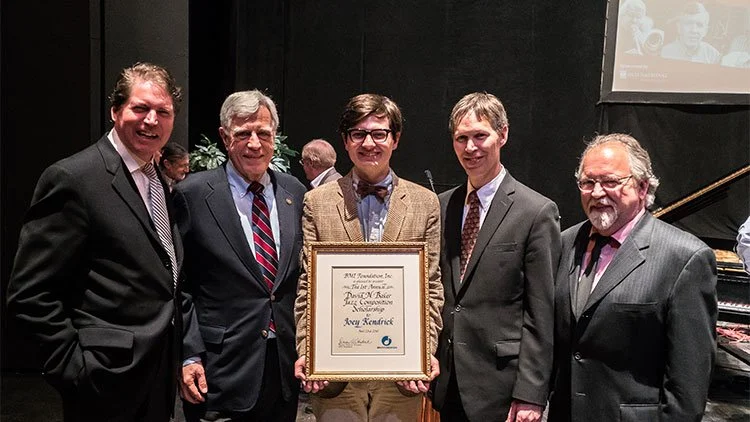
[(207, 155)]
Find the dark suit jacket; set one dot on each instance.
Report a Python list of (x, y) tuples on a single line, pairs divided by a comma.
[(93, 284), (330, 177), (226, 303), (644, 346), (497, 338)]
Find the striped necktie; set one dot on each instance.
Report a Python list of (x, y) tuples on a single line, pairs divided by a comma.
[(265, 247), (159, 215)]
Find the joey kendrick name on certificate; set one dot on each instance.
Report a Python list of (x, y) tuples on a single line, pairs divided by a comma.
[(368, 310)]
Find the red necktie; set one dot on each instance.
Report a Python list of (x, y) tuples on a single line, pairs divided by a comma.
[(469, 233), (265, 247)]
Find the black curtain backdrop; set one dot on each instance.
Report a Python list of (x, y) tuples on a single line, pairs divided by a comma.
[(542, 59)]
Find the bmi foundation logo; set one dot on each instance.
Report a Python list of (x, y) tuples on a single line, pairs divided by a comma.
[(386, 341)]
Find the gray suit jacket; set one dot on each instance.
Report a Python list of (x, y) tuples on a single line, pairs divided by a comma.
[(644, 346), (497, 339), (226, 303)]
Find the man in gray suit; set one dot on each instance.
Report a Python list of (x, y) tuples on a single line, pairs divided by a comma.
[(635, 300), (495, 350), (318, 161), (241, 224)]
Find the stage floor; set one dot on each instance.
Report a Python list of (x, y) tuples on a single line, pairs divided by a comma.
[(27, 398)]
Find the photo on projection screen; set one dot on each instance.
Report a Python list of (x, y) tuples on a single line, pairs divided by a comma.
[(677, 52)]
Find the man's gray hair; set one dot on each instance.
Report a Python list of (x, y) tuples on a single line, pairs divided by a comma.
[(640, 162), (244, 104)]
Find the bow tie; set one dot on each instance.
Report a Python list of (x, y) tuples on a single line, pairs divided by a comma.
[(364, 189)]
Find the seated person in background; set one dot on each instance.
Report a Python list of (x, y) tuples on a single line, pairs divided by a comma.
[(174, 163), (692, 27)]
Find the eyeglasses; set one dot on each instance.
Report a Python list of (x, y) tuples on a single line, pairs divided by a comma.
[(609, 185), (359, 135)]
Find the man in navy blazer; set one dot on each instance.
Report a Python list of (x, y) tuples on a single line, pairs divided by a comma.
[(92, 281), (239, 345), (495, 350), (635, 339)]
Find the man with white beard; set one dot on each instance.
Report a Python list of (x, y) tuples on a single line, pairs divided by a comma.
[(635, 300)]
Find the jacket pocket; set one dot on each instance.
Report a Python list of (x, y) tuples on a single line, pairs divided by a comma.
[(506, 351), (110, 347), (213, 337), (639, 412)]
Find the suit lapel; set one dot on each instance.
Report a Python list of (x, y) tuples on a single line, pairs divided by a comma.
[(221, 205), (574, 262), (347, 207), (453, 216), (397, 210), (285, 210), (499, 207), (124, 185), (627, 259)]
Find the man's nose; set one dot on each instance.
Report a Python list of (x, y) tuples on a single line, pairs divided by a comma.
[(598, 191), (151, 118), (371, 142), (253, 142)]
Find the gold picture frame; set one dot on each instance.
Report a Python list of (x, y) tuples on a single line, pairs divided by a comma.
[(367, 311)]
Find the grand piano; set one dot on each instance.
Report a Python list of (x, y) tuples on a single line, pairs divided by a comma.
[(733, 286)]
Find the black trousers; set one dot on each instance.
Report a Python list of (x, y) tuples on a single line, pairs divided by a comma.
[(270, 406), (453, 409), (153, 402)]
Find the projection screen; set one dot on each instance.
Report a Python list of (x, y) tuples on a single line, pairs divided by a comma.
[(677, 52)]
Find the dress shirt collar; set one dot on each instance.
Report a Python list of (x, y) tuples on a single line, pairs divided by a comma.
[(487, 192), (240, 185), (316, 181), (132, 162), (624, 231)]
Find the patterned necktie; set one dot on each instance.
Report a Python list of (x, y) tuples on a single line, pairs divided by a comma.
[(364, 189), (470, 230), (159, 215), (587, 278), (265, 247)]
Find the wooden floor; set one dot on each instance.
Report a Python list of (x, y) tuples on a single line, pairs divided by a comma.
[(27, 398)]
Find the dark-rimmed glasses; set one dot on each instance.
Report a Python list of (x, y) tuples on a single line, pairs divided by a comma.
[(609, 185), (359, 135)]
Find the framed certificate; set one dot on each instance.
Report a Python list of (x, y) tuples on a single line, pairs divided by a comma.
[(367, 312)]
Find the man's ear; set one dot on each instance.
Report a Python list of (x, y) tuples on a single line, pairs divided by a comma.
[(396, 138), (224, 136)]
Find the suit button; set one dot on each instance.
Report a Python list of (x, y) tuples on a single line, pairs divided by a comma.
[(458, 308), (450, 341), (264, 333), (273, 298), (577, 356)]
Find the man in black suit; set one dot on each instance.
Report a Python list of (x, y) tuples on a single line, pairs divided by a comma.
[(241, 224), (500, 248), (635, 300), (95, 275)]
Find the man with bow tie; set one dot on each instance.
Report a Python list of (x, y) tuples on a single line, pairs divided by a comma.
[(242, 233), (635, 300), (370, 204)]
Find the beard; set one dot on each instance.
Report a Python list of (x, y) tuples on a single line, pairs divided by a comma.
[(603, 218)]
